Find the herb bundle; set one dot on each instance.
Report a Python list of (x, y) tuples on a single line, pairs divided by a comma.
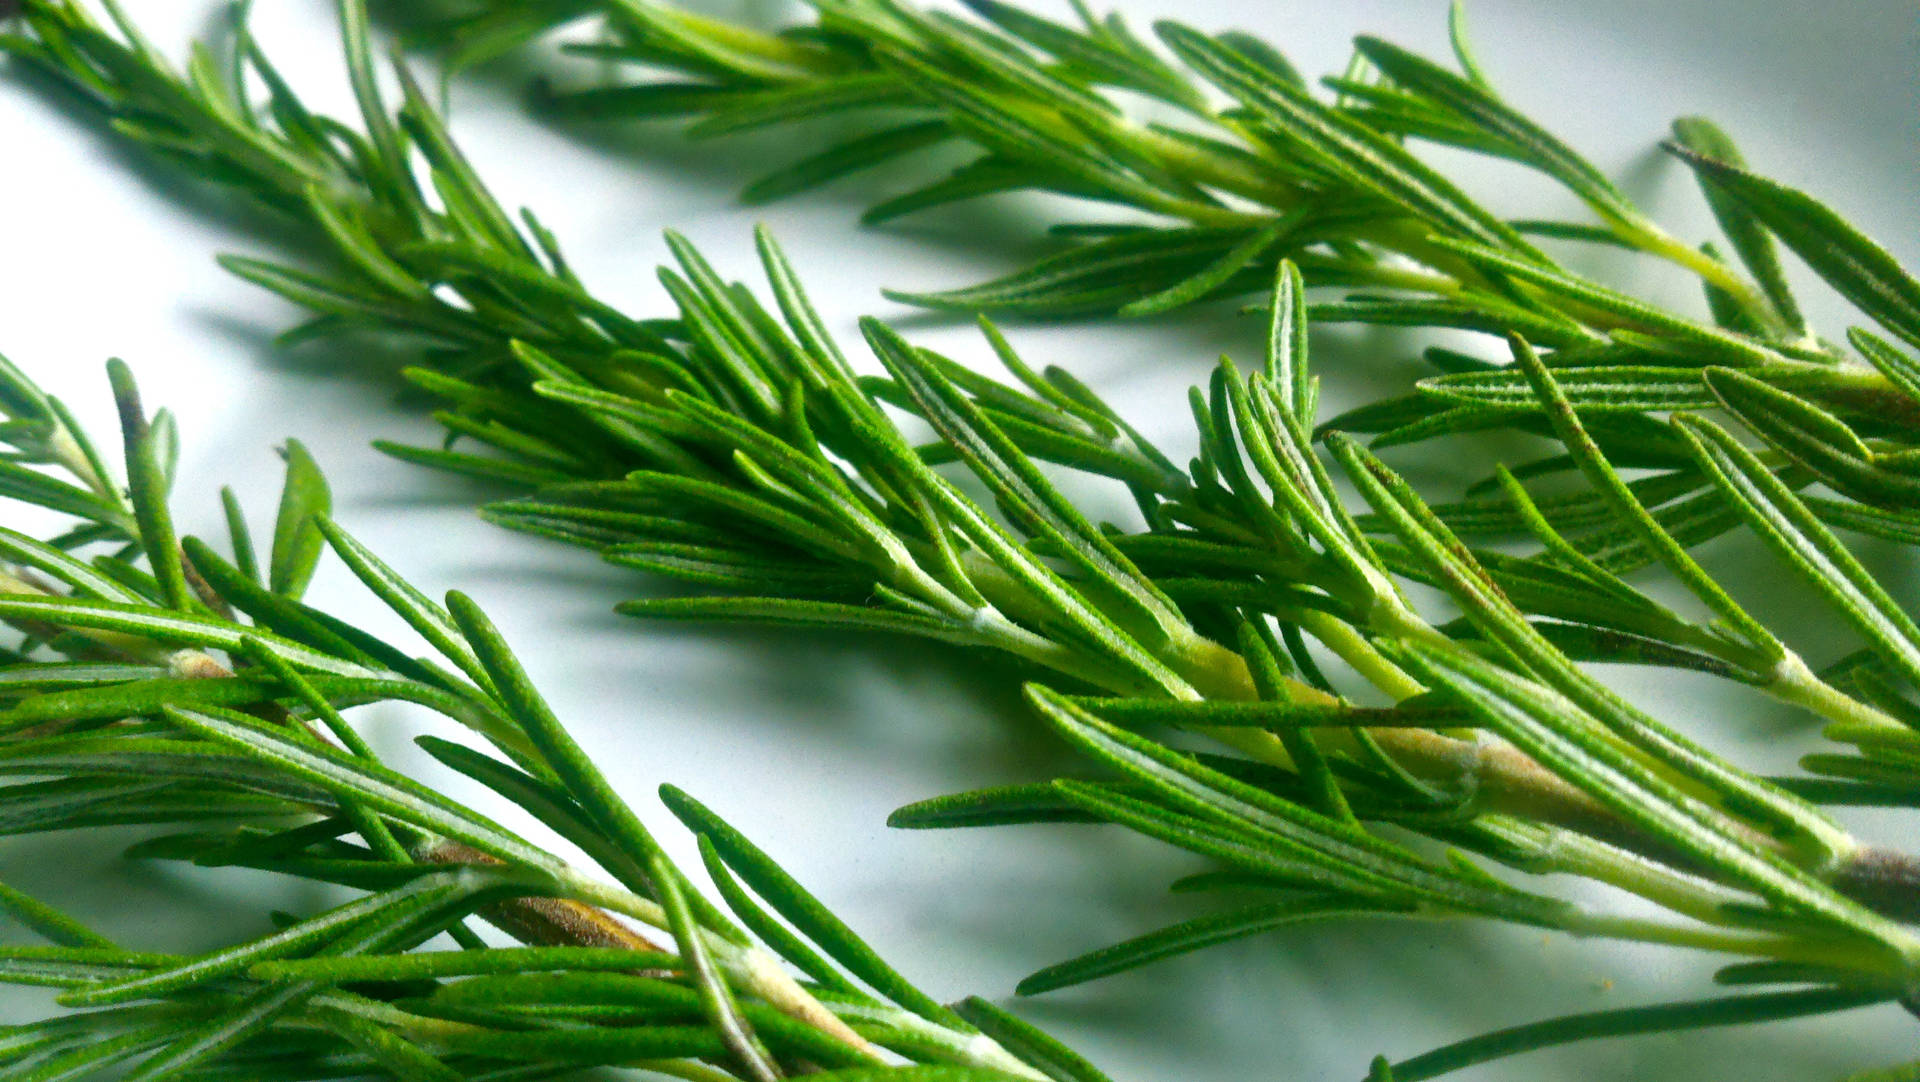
[(735, 448)]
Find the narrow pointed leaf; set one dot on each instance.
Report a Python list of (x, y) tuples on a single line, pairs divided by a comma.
[(1853, 264), (1797, 535), (296, 537), (1192, 935)]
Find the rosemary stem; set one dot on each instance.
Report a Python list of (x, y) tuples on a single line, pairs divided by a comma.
[(442, 1033), (1798, 685), (1577, 854), (762, 974), (995, 625), (973, 1049), (1352, 648), (767, 47), (1865, 959), (1503, 777), (1209, 169), (423, 1028), (1659, 243), (1590, 839), (752, 967)]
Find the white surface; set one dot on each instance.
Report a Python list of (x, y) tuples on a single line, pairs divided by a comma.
[(807, 741)]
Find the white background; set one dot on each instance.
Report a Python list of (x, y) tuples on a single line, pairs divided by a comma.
[(807, 741)]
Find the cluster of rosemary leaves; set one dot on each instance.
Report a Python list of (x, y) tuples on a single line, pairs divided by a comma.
[(733, 446), (202, 690), (1228, 190)]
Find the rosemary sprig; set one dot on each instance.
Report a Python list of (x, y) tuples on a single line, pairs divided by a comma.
[(136, 698), (736, 449), (1823, 418), (1278, 173), (1328, 183)]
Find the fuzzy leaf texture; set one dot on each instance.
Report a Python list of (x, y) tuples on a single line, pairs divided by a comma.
[(189, 714), (1331, 183)]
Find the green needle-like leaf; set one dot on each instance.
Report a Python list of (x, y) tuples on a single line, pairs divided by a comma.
[(304, 501), (147, 487), (1193, 935), (1810, 548), (1849, 261), (801, 909), (1733, 1010), (1742, 226)]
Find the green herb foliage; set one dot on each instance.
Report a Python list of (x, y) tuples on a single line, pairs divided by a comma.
[(1241, 164), (224, 710), (731, 446)]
